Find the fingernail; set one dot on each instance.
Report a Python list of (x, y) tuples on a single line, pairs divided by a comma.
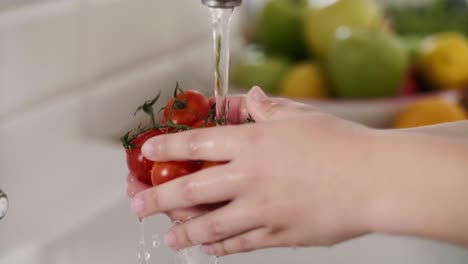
[(138, 204), (170, 239), (258, 95), (147, 149), (208, 250)]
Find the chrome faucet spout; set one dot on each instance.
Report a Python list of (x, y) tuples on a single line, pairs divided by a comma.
[(222, 3)]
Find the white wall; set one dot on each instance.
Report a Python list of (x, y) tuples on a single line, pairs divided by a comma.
[(68, 69), (49, 47)]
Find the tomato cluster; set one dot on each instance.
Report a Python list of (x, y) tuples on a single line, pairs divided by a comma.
[(184, 111)]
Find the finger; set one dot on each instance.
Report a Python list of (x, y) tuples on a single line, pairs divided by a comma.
[(185, 214), (208, 186), (134, 186), (246, 242), (228, 221), (262, 108), (214, 144)]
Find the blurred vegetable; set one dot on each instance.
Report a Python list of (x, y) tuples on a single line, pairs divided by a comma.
[(366, 64), (444, 60), (413, 47), (432, 17), (429, 112), (280, 28), (323, 18), (381, 56), (411, 84), (464, 100), (305, 80), (253, 67)]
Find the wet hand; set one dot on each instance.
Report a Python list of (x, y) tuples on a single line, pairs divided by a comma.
[(294, 179)]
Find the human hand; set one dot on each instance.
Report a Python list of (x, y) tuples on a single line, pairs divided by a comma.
[(295, 178), (238, 113)]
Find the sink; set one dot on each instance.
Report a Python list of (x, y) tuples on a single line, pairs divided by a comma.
[(112, 235), (65, 178)]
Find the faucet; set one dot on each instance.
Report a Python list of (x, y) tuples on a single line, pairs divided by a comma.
[(3, 204), (222, 3)]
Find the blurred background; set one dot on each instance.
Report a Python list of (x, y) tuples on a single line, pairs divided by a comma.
[(73, 71), (377, 62)]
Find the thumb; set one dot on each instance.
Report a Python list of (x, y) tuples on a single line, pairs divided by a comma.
[(263, 108)]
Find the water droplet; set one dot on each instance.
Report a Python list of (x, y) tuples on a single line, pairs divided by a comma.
[(156, 241), (143, 257), (140, 257)]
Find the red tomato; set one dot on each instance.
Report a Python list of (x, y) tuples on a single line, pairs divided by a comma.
[(138, 165), (411, 85), (209, 164), (190, 107), (464, 99), (200, 123), (163, 172)]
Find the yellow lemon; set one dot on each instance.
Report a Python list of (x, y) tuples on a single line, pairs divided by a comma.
[(429, 111), (305, 80), (444, 60)]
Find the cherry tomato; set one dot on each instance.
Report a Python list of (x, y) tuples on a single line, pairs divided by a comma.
[(209, 164), (200, 123), (189, 107), (163, 172), (138, 165)]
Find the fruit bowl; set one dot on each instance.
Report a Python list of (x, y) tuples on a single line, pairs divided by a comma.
[(377, 113), (358, 59)]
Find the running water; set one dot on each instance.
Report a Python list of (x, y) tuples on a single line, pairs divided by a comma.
[(221, 18), (143, 254)]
